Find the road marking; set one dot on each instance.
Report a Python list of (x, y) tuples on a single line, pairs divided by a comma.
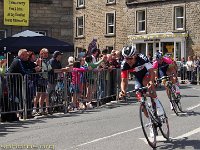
[(189, 108), (188, 134), (196, 89), (161, 138), (106, 137), (193, 107)]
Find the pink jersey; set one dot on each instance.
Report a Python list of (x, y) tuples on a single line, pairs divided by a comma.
[(76, 75), (165, 59)]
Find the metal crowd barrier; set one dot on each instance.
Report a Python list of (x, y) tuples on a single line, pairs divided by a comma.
[(189, 76), (56, 92), (12, 94)]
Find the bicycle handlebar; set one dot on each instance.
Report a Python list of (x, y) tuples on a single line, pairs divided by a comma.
[(142, 89), (164, 77)]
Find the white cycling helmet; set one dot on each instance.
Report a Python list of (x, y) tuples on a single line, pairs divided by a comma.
[(128, 51)]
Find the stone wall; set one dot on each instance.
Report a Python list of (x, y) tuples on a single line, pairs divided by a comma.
[(53, 16), (95, 23), (159, 19)]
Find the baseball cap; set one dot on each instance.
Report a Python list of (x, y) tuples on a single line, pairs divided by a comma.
[(56, 53)]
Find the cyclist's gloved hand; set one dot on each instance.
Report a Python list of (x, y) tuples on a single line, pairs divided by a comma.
[(122, 94)]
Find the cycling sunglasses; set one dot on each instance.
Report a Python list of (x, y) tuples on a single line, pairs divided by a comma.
[(129, 58)]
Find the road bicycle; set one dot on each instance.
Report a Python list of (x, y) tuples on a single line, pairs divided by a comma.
[(56, 97), (173, 96), (151, 123)]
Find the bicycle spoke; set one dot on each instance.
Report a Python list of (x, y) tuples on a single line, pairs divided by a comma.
[(148, 126), (164, 128)]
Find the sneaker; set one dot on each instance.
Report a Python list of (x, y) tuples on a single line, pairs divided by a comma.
[(89, 105), (34, 112), (159, 108)]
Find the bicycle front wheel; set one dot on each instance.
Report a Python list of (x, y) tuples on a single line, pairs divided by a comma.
[(164, 127), (148, 126)]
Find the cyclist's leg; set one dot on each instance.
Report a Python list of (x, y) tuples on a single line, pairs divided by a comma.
[(174, 79), (138, 85), (153, 95)]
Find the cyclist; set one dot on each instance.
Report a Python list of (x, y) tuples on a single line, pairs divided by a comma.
[(143, 71), (165, 66)]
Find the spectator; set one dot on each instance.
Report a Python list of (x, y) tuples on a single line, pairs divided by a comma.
[(57, 70), (92, 45), (183, 70), (42, 95), (91, 77), (194, 71), (190, 66), (76, 87), (71, 60), (95, 54), (20, 65)]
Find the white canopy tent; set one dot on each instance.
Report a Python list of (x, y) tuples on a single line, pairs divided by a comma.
[(27, 33)]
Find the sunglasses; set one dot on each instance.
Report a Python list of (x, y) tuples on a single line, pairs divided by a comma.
[(129, 58)]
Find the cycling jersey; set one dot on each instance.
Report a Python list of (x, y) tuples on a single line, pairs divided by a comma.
[(139, 69), (162, 68)]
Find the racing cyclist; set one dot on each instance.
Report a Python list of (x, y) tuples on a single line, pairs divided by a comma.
[(143, 71), (165, 66)]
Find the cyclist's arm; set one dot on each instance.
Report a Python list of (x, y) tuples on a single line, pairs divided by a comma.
[(150, 69)]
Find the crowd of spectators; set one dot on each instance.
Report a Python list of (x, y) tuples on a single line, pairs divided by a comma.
[(44, 70), (189, 69)]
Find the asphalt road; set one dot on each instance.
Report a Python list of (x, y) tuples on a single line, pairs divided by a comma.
[(115, 126)]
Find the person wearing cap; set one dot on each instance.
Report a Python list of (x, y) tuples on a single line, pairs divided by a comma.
[(57, 70)]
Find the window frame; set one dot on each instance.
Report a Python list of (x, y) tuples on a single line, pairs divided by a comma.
[(109, 25), (110, 2), (5, 34), (175, 22), (80, 5), (78, 26), (141, 21)]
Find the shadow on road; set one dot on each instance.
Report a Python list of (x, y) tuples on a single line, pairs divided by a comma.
[(9, 128), (189, 113), (189, 95), (183, 143)]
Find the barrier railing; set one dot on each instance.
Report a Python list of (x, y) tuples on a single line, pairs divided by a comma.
[(56, 92), (12, 98), (189, 76)]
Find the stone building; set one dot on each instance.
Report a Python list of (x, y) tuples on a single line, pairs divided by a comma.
[(171, 26), (53, 18)]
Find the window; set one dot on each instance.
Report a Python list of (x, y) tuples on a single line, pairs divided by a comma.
[(79, 26), (109, 48), (110, 23), (2, 34), (80, 3), (111, 1), (41, 32), (141, 21), (179, 18)]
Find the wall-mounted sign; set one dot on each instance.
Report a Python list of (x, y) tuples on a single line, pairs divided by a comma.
[(16, 12)]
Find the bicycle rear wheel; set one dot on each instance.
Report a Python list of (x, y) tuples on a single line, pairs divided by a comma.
[(164, 127), (148, 126), (173, 102), (53, 98), (178, 103)]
